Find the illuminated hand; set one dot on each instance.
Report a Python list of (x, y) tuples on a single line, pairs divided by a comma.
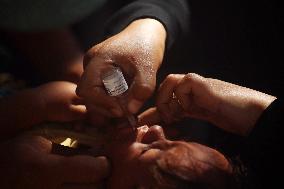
[(138, 50)]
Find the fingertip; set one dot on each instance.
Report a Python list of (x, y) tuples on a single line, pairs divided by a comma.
[(78, 111), (142, 90), (79, 108)]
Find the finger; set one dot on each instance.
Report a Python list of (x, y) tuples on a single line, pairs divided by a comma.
[(141, 89), (183, 91), (44, 145), (177, 112), (99, 99), (80, 168), (165, 95), (149, 117), (153, 134), (92, 90), (78, 112)]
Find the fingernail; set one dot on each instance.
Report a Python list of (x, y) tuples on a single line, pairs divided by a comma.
[(134, 106)]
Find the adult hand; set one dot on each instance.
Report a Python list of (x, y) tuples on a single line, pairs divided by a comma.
[(228, 106), (59, 102), (138, 50), (55, 101), (27, 162)]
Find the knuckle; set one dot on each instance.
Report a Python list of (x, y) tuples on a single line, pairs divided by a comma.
[(190, 76), (171, 77), (90, 54)]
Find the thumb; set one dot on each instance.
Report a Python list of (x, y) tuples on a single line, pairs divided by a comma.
[(78, 112)]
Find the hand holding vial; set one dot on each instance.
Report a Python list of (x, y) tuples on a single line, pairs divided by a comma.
[(116, 85)]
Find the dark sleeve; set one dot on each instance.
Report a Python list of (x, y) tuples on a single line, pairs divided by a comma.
[(173, 14), (263, 148)]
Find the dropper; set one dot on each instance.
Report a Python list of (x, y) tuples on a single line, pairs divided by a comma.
[(116, 85)]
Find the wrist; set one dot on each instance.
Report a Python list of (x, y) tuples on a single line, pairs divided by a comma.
[(151, 27), (152, 34), (239, 112)]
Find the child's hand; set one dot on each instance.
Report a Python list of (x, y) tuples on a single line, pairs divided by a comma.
[(59, 102)]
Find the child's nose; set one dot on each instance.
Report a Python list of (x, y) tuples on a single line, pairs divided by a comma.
[(154, 133)]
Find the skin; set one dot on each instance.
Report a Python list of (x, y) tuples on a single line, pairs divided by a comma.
[(28, 162), (230, 107), (138, 50), (54, 101), (134, 156)]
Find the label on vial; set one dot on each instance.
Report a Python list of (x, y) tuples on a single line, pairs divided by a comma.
[(114, 82)]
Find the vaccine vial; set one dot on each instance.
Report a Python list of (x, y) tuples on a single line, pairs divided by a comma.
[(116, 85)]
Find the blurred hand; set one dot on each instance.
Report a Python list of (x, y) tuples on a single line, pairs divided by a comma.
[(60, 102), (27, 162), (228, 106), (138, 50)]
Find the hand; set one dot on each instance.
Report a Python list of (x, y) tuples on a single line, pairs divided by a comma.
[(27, 162), (60, 102), (228, 106), (138, 50)]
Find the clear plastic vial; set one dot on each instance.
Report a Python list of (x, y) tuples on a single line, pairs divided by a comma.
[(116, 85)]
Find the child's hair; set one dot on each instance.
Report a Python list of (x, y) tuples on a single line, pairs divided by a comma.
[(167, 177), (167, 181)]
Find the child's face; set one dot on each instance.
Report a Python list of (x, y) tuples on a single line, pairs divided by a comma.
[(135, 156), (131, 155)]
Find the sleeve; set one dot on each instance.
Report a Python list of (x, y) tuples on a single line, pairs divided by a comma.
[(173, 14), (263, 146), (38, 15)]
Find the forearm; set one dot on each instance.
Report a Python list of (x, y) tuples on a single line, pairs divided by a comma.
[(240, 108), (19, 112), (172, 14)]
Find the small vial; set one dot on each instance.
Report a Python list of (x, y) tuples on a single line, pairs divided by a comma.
[(116, 85)]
